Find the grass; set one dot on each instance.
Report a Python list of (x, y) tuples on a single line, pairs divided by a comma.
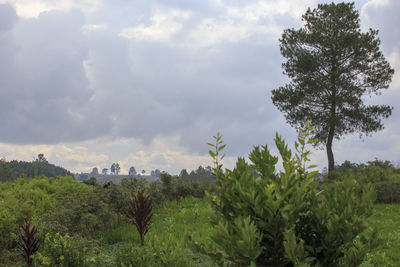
[(170, 223), (172, 220), (386, 219), (165, 240)]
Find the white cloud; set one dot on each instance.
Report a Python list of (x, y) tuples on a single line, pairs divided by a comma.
[(163, 25), (255, 12), (231, 24), (394, 60), (32, 8), (211, 32), (370, 5), (64, 155), (93, 27)]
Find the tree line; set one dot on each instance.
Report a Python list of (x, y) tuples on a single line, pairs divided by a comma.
[(9, 170)]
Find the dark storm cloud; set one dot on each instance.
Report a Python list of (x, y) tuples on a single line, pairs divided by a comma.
[(60, 83), (156, 89), (135, 88)]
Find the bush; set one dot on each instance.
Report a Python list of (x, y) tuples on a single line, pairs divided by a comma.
[(175, 188), (272, 218), (388, 192), (65, 250)]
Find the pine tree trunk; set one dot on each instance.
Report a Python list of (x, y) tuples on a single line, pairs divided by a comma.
[(331, 161)]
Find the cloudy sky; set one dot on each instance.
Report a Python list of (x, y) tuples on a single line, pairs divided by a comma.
[(148, 83)]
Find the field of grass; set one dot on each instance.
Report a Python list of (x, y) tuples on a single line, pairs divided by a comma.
[(386, 219), (192, 215), (172, 220), (169, 224)]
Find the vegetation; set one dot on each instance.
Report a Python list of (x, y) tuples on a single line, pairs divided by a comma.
[(113, 240), (38, 167), (201, 174), (140, 210), (386, 218), (333, 65), (252, 215), (269, 218), (28, 243), (381, 174)]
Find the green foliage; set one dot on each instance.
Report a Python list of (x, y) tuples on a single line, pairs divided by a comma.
[(388, 192), (91, 181), (55, 205), (65, 250), (8, 225), (176, 187), (6, 174), (201, 174), (381, 174), (332, 66), (387, 219), (272, 218), (170, 222), (37, 167)]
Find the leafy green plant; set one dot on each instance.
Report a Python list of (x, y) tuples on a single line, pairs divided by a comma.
[(28, 242), (140, 210), (64, 250), (284, 218)]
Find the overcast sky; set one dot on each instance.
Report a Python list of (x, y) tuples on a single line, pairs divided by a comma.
[(148, 83)]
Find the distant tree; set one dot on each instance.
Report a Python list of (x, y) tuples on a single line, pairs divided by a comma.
[(347, 165), (143, 171), (166, 180), (95, 171), (380, 163), (184, 174), (333, 66), (201, 174), (132, 171), (104, 171), (156, 173), (36, 168), (117, 168), (112, 169), (41, 158), (6, 173), (91, 181)]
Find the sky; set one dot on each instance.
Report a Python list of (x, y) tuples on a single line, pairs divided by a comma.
[(148, 83)]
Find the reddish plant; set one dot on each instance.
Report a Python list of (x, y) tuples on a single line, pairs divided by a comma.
[(140, 209), (27, 241)]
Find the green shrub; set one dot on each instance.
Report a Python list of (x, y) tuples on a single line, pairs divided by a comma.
[(65, 250), (8, 226), (372, 174), (388, 192), (284, 218)]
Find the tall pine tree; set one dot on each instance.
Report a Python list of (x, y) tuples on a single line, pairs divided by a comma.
[(332, 66)]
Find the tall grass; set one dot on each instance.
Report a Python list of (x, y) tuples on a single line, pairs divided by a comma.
[(386, 219), (170, 223)]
